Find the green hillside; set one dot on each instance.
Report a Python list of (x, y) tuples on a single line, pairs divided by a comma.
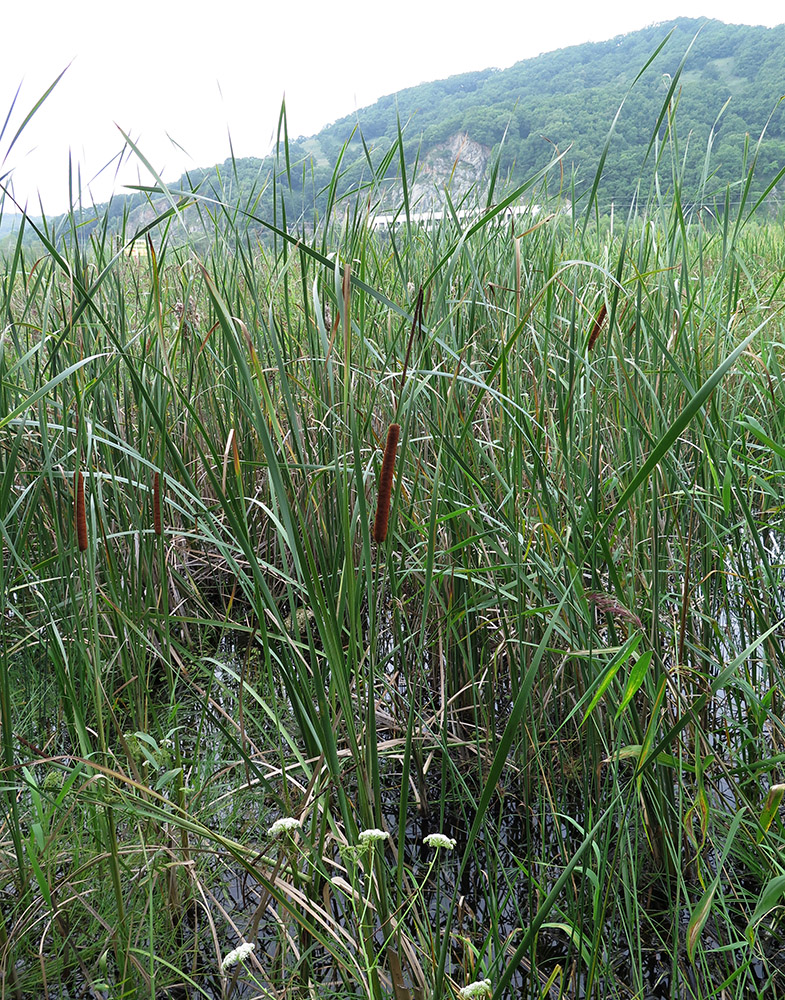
[(729, 83), (725, 84)]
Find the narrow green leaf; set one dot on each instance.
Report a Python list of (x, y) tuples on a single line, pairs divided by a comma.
[(698, 919), (637, 674), (770, 809), (770, 896), (701, 912), (612, 669)]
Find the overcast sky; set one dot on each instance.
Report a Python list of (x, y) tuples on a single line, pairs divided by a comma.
[(183, 78)]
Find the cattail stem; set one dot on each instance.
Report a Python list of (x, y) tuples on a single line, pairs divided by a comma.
[(81, 518), (157, 503), (416, 324), (385, 484)]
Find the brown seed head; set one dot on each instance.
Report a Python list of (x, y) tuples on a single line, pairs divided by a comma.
[(598, 324), (157, 503), (81, 518), (610, 606), (385, 484)]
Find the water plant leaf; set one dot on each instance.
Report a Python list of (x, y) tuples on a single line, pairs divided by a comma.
[(577, 937), (651, 729), (701, 912), (625, 753), (30, 114), (40, 877), (753, 426), (47, 387), (637, 674), (717, 684), (772, 893), (167, 778), (698, 919), (770, 808), (612, 669), (671, 435)]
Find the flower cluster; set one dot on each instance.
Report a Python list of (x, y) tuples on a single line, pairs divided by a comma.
[(438, 841), (286, 824), (373, 836), (238, 954), (482, 988)]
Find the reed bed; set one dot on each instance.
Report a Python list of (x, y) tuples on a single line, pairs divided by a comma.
[(234, 707)]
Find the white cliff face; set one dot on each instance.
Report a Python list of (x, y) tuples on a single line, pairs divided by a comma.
[(458, 164)]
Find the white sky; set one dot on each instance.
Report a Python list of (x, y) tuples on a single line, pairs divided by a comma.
[(180, 78)]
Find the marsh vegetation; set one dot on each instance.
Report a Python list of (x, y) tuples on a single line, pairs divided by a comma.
[(564, 653)]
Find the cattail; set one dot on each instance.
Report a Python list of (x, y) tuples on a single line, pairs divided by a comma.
[(157, 503), (81, 519), (597, 328), (385, 484)]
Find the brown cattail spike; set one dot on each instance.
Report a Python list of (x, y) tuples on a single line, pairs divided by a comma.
[(81, 519), (385, 484), (597, 328), (157, 503)]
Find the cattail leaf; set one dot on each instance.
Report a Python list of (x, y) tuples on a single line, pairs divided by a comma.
[(772, 893), (625, 753), (770, 808), (612, 669), (753, 426), (637, 674), (701, 912), (40, 877), (671, 435), (651, 730), (46, 388), (698, 919), (577, 937), (727, 485)]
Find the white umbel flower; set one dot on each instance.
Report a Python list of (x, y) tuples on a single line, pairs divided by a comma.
[(482, 988), (373, 836), (439, 841), (238, 954), (286, 824)]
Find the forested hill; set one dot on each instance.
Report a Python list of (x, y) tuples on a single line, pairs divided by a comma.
[(509, 123), (729, 88)]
